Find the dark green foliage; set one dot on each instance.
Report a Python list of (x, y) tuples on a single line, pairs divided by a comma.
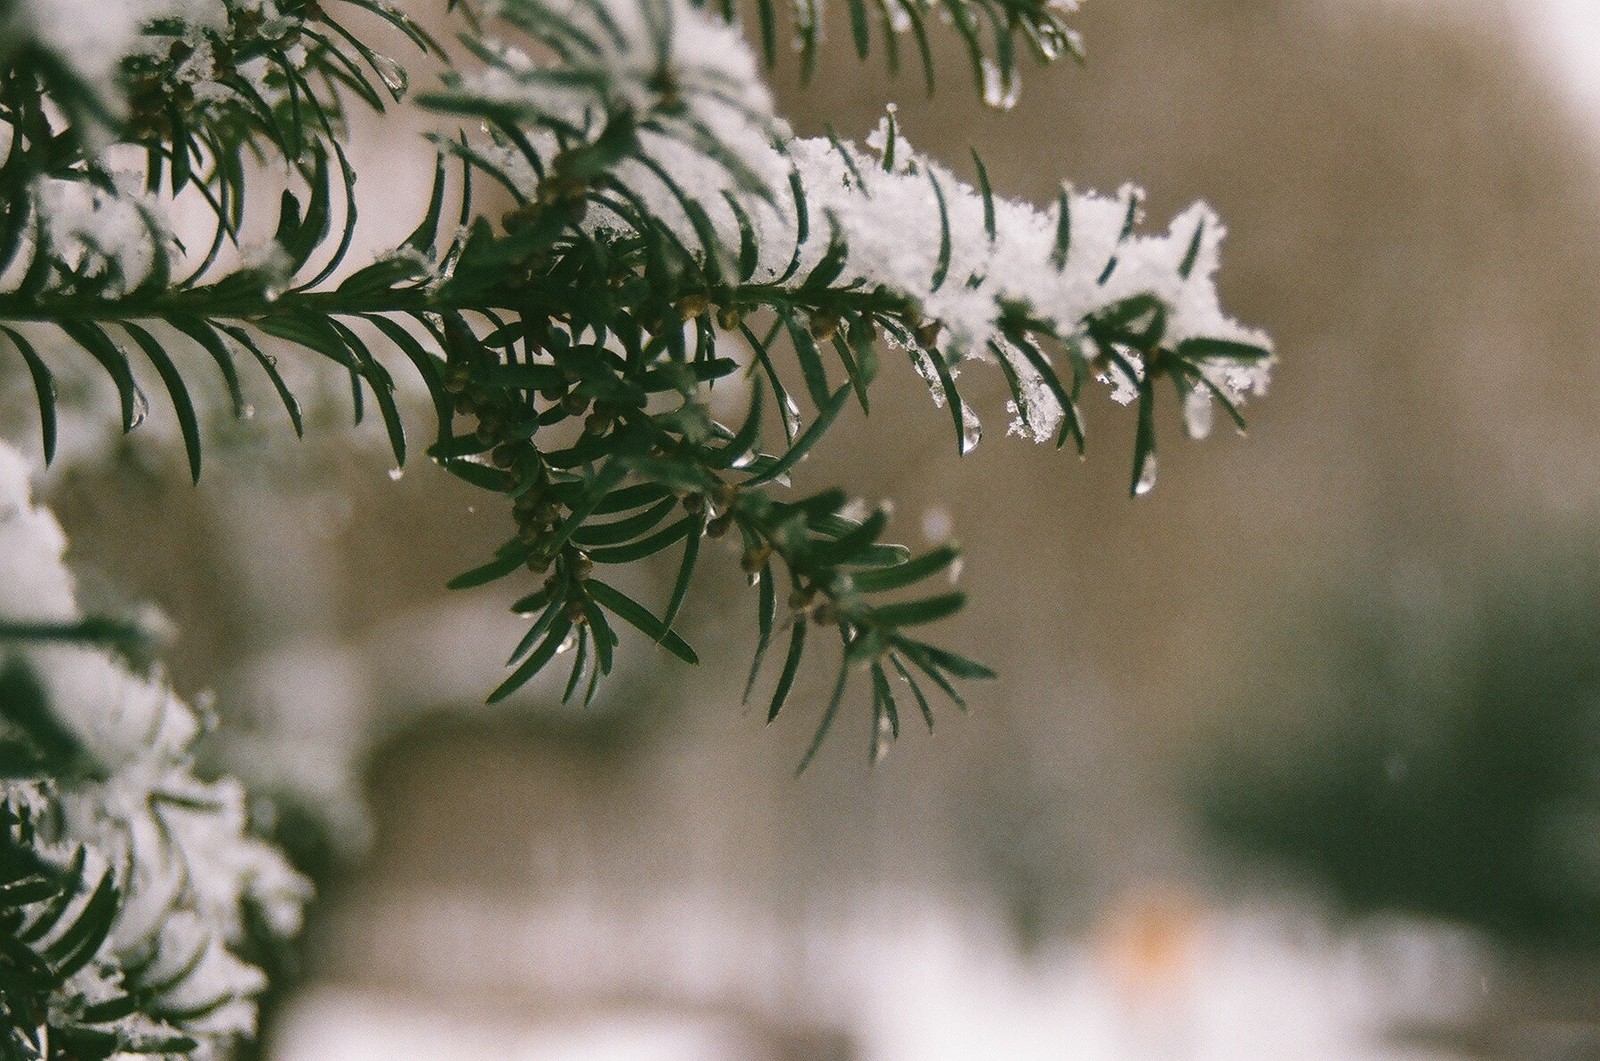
[(46, 936), (569, 366), (992, 31), (54, 918)]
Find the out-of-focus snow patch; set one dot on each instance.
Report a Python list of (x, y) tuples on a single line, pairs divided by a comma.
[(901, 977), (1175, 981), (1566, 34), (349, 1026), (1560, 37)]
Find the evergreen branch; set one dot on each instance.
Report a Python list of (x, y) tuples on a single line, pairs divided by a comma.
[(993, 32), (661, 204)]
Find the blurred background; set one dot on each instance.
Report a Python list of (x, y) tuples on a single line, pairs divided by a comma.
[(1297, 758)]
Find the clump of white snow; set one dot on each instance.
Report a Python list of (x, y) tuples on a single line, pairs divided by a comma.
[(93, 37)]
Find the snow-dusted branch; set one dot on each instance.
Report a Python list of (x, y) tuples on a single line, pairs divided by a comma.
[(772, 218), (568, 345), (158, 871)]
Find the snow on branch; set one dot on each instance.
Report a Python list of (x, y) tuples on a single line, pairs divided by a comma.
[(93, 39), (660, 205), (107, 793), (986, 277)]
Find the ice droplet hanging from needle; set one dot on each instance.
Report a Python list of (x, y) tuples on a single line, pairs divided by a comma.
[(1147, 475), (393, 74), (882, 734), (971, 429)]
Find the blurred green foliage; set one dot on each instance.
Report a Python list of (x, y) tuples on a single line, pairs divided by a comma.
[(1431, 749)]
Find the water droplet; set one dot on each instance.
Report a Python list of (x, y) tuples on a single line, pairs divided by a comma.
[(472, 510), (881, 736), (247, 411), (396, 474), (791, 413), (393, 74), (1147, 476), (1197, 413), (972, 430), (568, 641), (753, 578), (141, 408)]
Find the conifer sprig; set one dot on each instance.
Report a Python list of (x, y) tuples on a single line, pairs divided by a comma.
[(668, 232)]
